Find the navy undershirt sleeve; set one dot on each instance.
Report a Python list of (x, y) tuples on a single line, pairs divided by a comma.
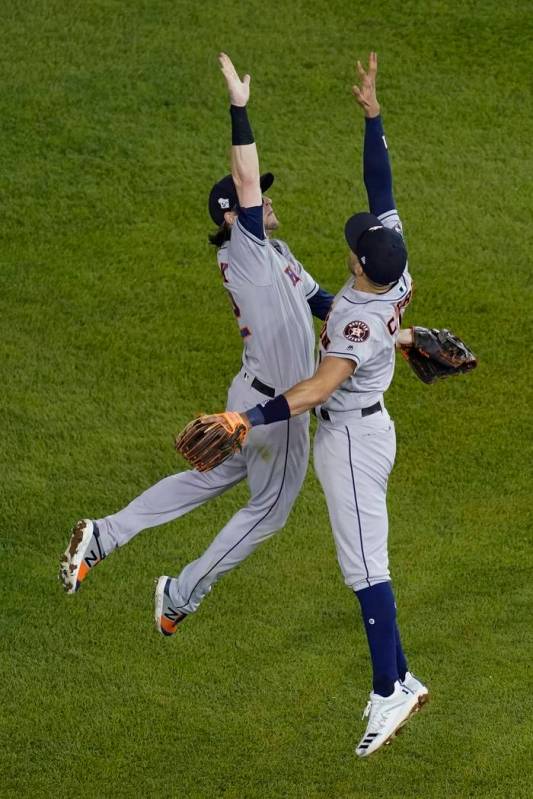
[(320, 303), (252, 220), (376, 168)]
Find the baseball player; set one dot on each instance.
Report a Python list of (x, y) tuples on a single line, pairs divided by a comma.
[(272, 297), (355, 444)]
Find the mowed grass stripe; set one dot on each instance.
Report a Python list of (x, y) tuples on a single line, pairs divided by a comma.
[(115, 331)]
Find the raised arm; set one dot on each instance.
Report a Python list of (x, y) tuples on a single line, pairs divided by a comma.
[(244, 159), (376, 165)]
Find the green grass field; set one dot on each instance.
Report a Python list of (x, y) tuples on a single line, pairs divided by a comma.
[(115, 331)]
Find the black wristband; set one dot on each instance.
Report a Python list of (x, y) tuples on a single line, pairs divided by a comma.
[(276, 410), (241, 132)]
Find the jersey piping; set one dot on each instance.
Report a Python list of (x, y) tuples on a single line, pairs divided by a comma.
[(351, 356), (357, 506), (251, 236), (312, 292), (376, 299)]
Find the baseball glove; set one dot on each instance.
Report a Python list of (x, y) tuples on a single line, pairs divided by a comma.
[(436, 354), (209, 440)]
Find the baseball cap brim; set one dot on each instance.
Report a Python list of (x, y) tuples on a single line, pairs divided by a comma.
[(266, 181), (356, 226)]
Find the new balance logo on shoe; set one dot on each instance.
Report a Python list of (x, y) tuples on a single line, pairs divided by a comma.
[(166, 616), (174, 615), (82, 554)]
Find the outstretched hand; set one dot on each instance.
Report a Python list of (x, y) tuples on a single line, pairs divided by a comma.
[(365, 93), (238, 90)]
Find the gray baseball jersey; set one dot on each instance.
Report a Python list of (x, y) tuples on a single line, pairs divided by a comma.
[(354, 454), (269, 289), (364, 327)]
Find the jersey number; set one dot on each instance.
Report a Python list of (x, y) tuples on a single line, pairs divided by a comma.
[(244, 331)]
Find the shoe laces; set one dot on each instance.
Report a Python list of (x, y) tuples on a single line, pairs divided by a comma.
[(374, 712)]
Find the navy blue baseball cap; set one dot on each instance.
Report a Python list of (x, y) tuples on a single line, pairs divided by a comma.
[(380, 249), (223, 196)]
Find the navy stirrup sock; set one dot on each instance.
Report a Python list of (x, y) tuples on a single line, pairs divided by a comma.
[(379, 616)]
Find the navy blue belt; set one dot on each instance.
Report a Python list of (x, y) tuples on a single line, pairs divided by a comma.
[(263, 388), (364, 411), (260, 386)]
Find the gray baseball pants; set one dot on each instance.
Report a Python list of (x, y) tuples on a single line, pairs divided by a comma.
[(353, 459), (274, 462)]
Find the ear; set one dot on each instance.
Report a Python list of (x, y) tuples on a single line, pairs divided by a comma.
[(355, 264), (230, 217)]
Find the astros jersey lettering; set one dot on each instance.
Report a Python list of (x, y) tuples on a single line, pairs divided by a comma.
[(269, 289)]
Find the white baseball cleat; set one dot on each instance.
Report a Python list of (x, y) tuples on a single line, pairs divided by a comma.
[(167, 617), (417, 687), (386, 715), (82, 554)]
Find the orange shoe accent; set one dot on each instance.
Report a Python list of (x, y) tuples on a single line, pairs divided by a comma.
[(168, 625), (83, 571)]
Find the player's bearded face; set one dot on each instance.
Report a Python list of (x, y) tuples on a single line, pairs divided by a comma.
[(270, 219)]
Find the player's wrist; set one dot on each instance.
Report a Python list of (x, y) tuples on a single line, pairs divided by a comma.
[(254, 416), (405, 337), (275, 410), (372, 111), (241, 130)]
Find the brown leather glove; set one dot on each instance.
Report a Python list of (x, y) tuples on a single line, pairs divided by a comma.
[(209, 440), (436, 354)]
